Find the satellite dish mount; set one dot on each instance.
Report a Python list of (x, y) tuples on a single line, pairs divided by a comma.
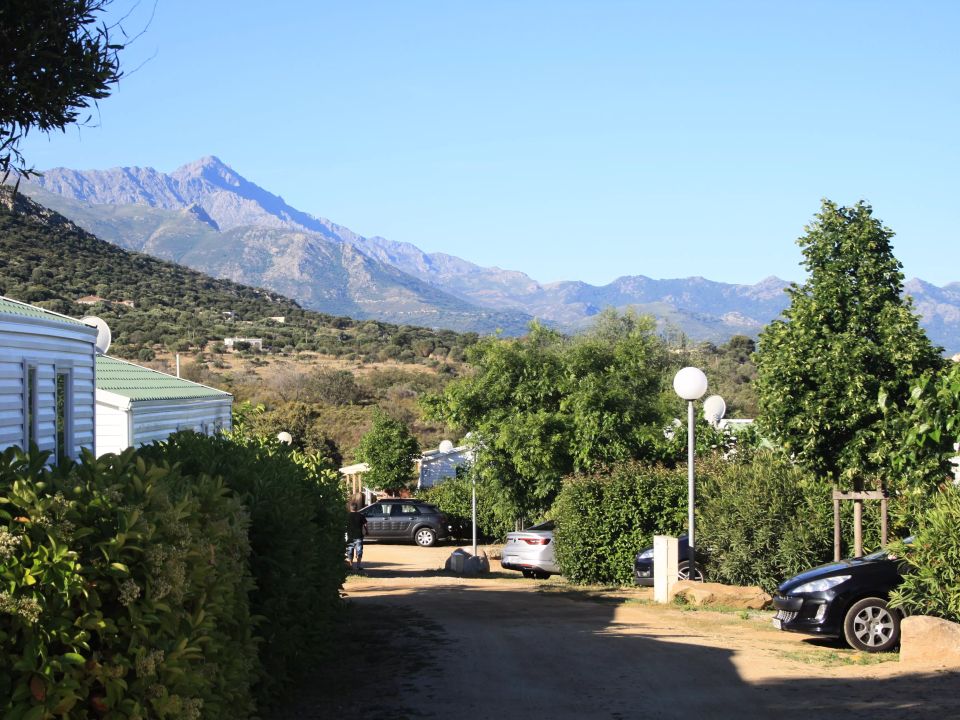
[(104, 336)]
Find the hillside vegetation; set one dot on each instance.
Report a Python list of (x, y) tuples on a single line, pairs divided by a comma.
[(51, 263)]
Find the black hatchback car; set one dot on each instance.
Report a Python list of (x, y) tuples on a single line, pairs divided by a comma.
[(643, 564), (406, 520), (845, 599)]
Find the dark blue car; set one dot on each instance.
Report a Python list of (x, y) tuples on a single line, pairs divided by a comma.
[(845, 599)]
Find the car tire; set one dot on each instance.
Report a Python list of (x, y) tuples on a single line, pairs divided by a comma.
[(871, 626), (683, 574), (541, 575), (528, 573), (425, 537)]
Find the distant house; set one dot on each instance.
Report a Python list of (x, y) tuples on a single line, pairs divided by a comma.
[(137, 405), (432, 468), (280, 319), (255, 343), (46, 380), (90, 300), (435, 466)]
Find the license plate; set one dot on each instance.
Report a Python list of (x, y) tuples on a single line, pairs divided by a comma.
[(777, 623)]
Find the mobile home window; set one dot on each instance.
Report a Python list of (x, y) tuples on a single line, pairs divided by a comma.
[(29, 406), (64, 410)]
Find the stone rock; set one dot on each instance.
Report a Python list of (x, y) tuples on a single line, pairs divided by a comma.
[(705, 594), (926, 640), (463, 563)]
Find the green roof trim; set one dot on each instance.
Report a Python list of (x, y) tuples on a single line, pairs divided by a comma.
[(9, 306), (140, 383)]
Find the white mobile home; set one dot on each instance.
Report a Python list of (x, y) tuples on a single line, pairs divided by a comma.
[(137, 405), (46, 380)]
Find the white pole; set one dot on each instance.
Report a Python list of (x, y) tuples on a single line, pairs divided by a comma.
[(474, 507), (691, 566), (178, 364)]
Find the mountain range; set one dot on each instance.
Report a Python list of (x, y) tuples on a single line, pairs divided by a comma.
[(208, 217)]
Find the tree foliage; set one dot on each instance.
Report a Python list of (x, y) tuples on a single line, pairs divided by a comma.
[(848, 335), (389, 449), (56, 59), (932, 587), (544, 406)]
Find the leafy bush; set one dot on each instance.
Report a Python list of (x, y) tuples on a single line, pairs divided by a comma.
[(933, 585), (124, 591), (603, 520), (762, 521), (495, 514), (297, 515)]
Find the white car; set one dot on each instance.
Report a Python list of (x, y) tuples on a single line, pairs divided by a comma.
[(531, 552)]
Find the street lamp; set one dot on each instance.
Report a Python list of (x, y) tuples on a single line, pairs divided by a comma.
[(690, 384)]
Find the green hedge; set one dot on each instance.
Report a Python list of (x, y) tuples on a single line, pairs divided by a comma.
[(932, 587), (124, 591), (604, 520), (762, 521), (192, 578), (297, 518), (495, 514)]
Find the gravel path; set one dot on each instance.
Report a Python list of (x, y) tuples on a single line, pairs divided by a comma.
[(425, 644)]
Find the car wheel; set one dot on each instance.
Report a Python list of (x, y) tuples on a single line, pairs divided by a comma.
[(683, 572), (425, 537), (528, 573), (541, 575), (871, 626)]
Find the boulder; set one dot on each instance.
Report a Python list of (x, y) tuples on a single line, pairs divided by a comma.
[(463, 563), (926, 640), (706, 594)]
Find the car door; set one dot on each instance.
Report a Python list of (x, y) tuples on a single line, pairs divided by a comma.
[(403, 518), (377, 520)]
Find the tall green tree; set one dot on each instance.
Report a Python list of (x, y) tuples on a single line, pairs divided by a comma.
[(55, 61), (848, 336), (389, 449), (544, 406)]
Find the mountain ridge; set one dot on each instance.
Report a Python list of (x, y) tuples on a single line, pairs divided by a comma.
[(194, 213)]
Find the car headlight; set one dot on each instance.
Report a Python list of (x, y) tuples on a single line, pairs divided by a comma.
[(646, 554), (821, 585)]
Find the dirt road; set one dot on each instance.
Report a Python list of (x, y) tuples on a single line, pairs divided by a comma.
[(430, 645)]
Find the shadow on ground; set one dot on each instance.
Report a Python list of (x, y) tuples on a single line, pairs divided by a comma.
[(444, 651)]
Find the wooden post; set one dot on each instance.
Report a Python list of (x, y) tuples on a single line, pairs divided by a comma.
[(836, 527), (857, 496), (858, 528), (883, 521)]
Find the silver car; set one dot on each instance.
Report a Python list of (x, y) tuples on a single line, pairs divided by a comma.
[(531, 552)]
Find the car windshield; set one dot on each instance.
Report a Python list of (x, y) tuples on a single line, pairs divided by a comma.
[(880, 554)]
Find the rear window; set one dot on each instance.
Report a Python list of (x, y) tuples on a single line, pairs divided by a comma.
[(548, 525)]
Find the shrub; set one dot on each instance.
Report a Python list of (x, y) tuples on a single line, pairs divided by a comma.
[(297, 515), (603, 520), (124, 591), (762, 521), (495, 515), (932, 587)]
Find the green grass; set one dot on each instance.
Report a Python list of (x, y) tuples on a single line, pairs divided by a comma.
[(838, 658)]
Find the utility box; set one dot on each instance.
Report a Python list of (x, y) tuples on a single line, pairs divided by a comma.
[(665, 564)]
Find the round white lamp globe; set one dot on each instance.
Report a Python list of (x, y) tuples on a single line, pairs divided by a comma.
[(714, 408), (690, 383), (445, 446), (285, 437)]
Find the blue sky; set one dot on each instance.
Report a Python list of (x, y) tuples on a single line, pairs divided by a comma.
[(570, 140)]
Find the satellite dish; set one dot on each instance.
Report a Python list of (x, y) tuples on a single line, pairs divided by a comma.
[(104, 336), (714, 408), (446, 446), (285, 437)]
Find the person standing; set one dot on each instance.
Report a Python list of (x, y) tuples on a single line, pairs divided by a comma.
[(356, 529)]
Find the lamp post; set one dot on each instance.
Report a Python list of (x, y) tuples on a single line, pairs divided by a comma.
[(690, 384)]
